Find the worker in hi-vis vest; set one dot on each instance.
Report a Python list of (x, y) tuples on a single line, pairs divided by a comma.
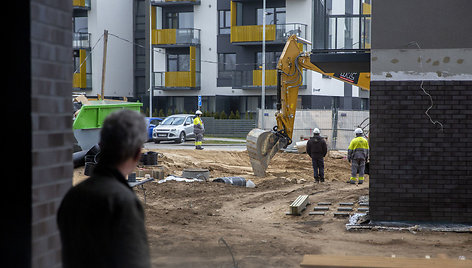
[(198, 129), (357, 155)]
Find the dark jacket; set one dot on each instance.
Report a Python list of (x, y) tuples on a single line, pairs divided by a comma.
[(316, 147), (101, 223)]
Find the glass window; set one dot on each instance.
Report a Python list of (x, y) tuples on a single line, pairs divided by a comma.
[(272, 58), (179, 20), (224, 22), (273, 15), (226, 65)]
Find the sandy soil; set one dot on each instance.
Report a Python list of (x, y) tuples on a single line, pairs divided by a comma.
[(190, 224)]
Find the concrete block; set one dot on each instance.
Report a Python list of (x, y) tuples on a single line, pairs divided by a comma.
[(341, 214), (324, 203), (363, 209), (321, 208), (322, 213), (299, 205), (346, 204), (344, 208)]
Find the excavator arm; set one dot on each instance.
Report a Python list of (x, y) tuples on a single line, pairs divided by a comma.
[(262, 145)]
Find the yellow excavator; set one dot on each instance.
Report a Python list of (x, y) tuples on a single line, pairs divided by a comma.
[(349, 66)]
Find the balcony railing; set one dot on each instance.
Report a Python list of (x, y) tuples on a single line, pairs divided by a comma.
[(82, 81), (252, 79), (174, 2), (82, 4), (277, 33), (176, 80), (184, 37), (81, 40)]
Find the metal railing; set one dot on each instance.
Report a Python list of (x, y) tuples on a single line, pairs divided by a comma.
[(274, 32), (185, 36), (172, 80)]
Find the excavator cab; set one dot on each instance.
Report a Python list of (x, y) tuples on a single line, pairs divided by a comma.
[(351, 67)]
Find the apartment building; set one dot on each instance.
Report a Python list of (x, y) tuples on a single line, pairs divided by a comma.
[(125, 67), (213, 49)]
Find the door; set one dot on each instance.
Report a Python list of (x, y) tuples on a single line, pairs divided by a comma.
[(189, 126)]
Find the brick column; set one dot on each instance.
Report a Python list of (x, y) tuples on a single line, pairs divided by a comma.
[(418, 172), (51, 116)]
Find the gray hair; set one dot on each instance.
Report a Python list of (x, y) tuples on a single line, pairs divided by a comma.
[(122, 136)]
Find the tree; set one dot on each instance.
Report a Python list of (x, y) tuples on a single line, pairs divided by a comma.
[(232, 116), (238, 115), (161, 113), (223, 115)]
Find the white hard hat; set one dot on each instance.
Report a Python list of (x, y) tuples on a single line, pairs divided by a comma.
[(316, 131), (198, 112), (358, 131)]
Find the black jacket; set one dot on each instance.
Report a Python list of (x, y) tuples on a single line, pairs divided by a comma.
[(316, 147), (101, 223)]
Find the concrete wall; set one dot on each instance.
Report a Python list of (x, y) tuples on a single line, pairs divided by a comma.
[(117, 18), (429, 42)]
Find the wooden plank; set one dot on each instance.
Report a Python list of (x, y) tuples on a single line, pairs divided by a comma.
[(324, 261)]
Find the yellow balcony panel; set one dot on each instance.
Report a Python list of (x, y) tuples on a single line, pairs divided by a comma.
[(270, 77), (180, 79), (252, 33), (79, 80), (164, 37)]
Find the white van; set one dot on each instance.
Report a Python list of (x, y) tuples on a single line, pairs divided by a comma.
[(178, 127)]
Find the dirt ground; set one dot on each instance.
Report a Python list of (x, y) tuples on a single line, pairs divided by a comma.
[(206, 224)]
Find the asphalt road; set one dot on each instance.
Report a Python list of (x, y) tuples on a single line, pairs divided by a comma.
[(189, 145)]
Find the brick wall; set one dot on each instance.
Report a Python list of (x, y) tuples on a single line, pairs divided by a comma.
[(418, 172), (51, 110)]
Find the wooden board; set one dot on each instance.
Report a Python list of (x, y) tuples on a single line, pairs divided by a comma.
[(324, 261)]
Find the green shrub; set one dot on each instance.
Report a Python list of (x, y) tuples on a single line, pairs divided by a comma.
[(223, 115)]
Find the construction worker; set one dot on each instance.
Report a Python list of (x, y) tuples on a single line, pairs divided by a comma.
[(198, 129), (316, 148), (357, 153)]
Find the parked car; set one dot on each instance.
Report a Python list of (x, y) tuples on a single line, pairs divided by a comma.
[(178, 127), (151, 123)]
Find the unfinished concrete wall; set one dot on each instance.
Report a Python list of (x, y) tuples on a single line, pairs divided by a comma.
[(421, 166)]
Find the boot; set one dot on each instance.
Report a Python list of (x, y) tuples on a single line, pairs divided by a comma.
[(353, 180), (317, 179), (322, 179)]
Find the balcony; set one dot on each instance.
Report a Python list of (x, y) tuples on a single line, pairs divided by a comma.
[(275, 33), (252, 79), (175, 37), (161, 3), (81, 40), (82, 81), (176, 80), (81, 4)]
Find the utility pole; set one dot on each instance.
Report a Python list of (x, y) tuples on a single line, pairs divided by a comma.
[(104, 66), (263, 60)]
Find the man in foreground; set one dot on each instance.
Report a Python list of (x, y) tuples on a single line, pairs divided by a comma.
[(101, 220)]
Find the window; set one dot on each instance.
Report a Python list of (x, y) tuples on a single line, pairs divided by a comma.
[(271, 60), (273, 15), (226, 65), (178, 62), (179, 20), (224, 22)]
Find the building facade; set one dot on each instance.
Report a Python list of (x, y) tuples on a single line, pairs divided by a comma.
[(179, 50)]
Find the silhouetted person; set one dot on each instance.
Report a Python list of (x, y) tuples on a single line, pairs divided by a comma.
[(101, 220)]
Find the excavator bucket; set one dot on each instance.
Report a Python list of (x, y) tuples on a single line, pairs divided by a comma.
[(261, 147)]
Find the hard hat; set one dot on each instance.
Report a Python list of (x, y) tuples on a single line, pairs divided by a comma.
[(358, 131), (316, 131), (198, 112)]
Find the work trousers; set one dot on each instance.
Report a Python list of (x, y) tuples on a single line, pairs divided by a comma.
[(318, 167), (358, 166), (198, 139)]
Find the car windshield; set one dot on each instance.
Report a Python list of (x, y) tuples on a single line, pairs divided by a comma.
[(173, 121)]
